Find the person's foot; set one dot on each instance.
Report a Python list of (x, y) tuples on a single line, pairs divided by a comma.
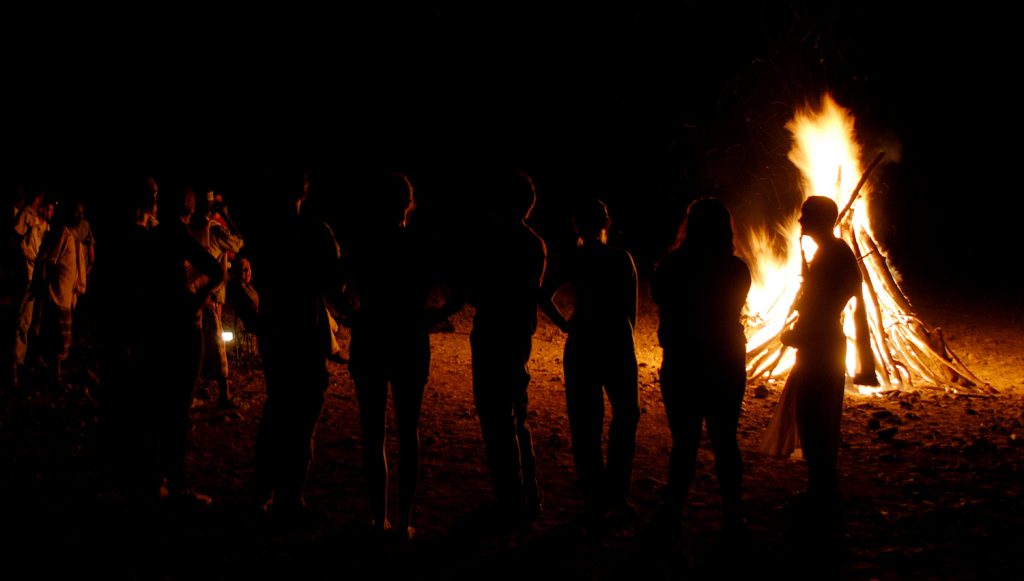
[(382, 525), (187, 498), (405, 534)]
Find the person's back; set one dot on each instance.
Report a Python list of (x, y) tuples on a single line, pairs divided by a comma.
[(700, 288), (604, 281), (296, 259), (600, 359), (391, 282), (503, 284), (165, 275), (700, 296), (507, 277)]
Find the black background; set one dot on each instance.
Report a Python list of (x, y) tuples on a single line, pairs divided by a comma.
[(646, 107)]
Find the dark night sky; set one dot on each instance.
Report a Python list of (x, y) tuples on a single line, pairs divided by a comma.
[(647, 107)]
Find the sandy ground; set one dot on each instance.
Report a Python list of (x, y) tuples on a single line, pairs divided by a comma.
[(940, 500)]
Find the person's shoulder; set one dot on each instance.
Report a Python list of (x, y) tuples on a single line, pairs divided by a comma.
[(670, 260), (842, 251), (621, 255), (738, 263)]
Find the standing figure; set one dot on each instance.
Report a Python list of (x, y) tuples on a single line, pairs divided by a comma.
[(502, 282), (169, 344), (297, 258), (818, 377), (389, 282), (214, 232), (700, 288), (600, 357), (30, 226), (60, 278)]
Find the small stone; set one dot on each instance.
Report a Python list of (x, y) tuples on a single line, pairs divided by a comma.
[(971, 411), (761, 391), (881, 414), (874, 424)]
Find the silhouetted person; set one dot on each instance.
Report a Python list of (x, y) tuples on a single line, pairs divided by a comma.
[(170, 348), (13, 284), (296, 257), (390, 282), (818, 377), (600, 357), (502, 282), (120, 285), (700, 288)]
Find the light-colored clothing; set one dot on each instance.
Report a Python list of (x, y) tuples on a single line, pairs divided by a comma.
[(31, 227), (222, 246), (61, 267), (83, 232)]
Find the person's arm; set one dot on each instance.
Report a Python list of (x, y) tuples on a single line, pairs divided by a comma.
[(212, 271), (549, 288), (631, 290), (451, 274)]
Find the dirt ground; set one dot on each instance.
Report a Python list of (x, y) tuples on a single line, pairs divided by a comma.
[(939, 500)]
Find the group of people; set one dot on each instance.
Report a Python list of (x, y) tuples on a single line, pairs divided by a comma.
[(380, 287), (47, 256)]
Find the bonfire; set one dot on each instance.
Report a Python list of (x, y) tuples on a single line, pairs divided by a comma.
[(889, 346)]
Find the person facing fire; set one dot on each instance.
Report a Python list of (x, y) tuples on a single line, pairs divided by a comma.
[(831, 279), (297, 259), (700, 288), (169, 346), (600, 356), (389, 282), (508, 265)]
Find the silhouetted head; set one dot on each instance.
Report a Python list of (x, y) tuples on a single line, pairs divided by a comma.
[(144, 200), (68, 213), (708, 225), (392, 200), (514, 196), (818, 216), (591, 220), (281, 187), (180, 204)]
